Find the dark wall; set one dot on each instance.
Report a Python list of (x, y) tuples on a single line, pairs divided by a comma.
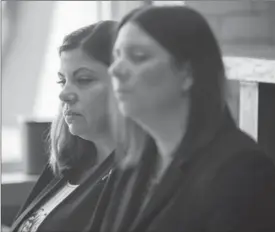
[(266, 132), (13, 195)]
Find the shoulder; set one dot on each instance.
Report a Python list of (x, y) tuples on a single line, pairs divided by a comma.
[(242, 193), (233, 146), (250, 167), (234, 140), (236, 155), (242, 172), (233, 165), (241, 190), (43, 181)]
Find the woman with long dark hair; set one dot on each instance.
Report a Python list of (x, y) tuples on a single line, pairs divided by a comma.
[(82, 142), (189, 168)]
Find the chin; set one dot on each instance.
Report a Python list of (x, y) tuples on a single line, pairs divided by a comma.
[(128, 110), (84, 132), (76, 130), (124, 110)]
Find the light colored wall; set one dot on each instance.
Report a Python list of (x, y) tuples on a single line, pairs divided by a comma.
[(120, 8), (20, 75), (243, 28)]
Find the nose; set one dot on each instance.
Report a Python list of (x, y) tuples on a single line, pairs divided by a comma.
[(119, 70), (68, 95)]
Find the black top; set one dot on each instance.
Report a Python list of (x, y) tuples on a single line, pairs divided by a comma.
[(222, 183), (75, 212)]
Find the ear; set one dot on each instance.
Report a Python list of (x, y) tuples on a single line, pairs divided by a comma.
[(187, 77)]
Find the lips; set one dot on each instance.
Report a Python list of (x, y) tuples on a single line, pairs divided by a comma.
[(122, 94), (69, 113), (122, 90), (71, 116)]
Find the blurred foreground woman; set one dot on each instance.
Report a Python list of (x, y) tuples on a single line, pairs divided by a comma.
[(82, 142), (197, 171)]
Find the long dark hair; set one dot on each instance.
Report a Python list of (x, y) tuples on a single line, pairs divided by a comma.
[(186, 35), (69, 151)]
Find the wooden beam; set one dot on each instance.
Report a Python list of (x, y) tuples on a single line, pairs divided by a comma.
[(248, 114), (250, 69)]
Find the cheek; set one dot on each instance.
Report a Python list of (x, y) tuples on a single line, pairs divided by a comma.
[(96, 103), (152, 76)]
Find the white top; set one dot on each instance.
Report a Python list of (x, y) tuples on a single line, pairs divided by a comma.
[(32, 223)]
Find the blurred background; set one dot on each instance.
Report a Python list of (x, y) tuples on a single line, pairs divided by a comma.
[(32, 31)]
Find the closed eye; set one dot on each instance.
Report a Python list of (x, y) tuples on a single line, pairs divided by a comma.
[(137, 57), (85, 80)]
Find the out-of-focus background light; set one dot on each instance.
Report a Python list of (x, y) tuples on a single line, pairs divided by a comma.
[(32, 31)]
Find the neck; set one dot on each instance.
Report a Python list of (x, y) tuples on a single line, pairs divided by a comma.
[(167, 128)]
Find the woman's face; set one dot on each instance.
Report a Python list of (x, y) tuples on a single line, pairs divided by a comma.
[(144, 78), (85, 88)]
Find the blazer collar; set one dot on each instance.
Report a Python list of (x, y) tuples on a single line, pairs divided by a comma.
[(49, 188)]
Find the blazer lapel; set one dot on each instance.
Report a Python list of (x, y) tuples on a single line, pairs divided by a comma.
[(52, 185), (162, 195), (167, 188)]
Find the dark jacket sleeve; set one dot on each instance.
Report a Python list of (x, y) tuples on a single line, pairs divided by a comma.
[(242, 195)]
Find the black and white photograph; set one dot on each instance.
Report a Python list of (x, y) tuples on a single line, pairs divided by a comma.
[(138, 116)]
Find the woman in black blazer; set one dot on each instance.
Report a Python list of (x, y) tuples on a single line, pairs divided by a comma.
[(199, 172), (82, 143)]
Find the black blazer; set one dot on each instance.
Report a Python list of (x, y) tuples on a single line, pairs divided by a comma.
[(224, 184), (75, 212)]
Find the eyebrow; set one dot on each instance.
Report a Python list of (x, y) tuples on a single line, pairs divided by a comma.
[(78, 71)]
